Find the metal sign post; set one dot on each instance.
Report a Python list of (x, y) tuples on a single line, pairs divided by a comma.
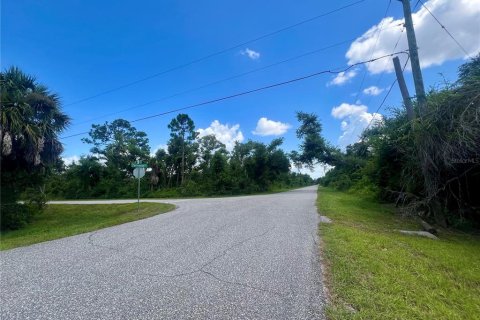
[(139, 172)]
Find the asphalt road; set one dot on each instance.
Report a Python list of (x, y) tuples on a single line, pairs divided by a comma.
[(253, 257)]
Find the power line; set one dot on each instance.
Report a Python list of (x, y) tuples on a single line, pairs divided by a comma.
[(381, 75), (226, 79), (184, 65), (220, 81), (381, 104), (278, 84), (393, 50), (379, 31), (386, 96), (416, 5), (446, 30)]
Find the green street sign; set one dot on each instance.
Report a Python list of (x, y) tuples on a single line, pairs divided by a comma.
[(139, 165)]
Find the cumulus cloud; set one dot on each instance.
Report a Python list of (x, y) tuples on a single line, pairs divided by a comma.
[(373, 91), (224, 133), (355, 118), (267, 127), (342, 78), (254, 55), (69, 160), (461, 18)]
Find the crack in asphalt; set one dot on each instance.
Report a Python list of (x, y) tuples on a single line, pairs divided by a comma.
[(202, 268), (232, 259), (224, 252), (241, 284)]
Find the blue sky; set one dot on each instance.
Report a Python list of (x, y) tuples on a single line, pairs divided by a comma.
[(82, 48)]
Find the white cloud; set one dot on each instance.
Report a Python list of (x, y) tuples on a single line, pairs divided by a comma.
[(373, 91), (158, 147), (254, 55), (461, 18), (317, 171), (267, 127), (342, 78), (69, 160), (355, 118), (224, 133)]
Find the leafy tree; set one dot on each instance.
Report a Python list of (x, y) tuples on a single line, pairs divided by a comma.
[(30, 121), (256, 165), (296, 160), (162, 169), (220, 177), (208, 145), (278, 162), (182, 140), (314, 148), (205, 164), (119, 144)]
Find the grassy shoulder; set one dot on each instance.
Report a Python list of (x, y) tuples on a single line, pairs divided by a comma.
[(61, 220), (179, 193), (374, 272)]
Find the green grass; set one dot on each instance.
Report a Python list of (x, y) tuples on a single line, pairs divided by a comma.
[(173, 193), (61, 220), (374, 272)]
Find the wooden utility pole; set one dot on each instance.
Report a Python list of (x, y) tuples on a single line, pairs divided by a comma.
[(403, 89), (415, 62), (425, 151)]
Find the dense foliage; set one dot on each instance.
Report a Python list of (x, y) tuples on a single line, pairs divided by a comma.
[(30, 121), (31, 168), (188, 166), (442, 143)]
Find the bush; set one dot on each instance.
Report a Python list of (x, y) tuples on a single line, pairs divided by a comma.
[(36, 199), (15, 215), (190, 189), (430, 166)]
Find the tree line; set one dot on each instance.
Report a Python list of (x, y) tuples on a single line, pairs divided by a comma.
[(384, 163), (188, 166), (32, 169)]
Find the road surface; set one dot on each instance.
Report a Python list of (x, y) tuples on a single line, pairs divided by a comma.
[(253, 257)]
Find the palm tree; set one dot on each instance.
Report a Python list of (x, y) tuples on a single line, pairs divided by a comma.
[(30, 121)]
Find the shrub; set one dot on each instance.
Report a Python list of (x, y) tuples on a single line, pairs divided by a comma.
[(15, 215)]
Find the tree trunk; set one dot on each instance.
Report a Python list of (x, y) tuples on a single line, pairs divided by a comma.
[(183, 161)]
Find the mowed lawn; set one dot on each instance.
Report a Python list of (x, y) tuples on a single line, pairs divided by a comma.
[(374, 272), (62, 220)]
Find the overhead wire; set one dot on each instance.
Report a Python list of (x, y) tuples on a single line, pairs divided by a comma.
[(393, 50), (386, 96), (278, 84), (446, 30), (224, 79), (219, 81), (195, 61), (382, 74), (379, 31)]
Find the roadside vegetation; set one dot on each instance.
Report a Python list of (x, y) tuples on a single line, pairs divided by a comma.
[(189, 166), (375, 272), (31, 120), (402, 173), (62, 220), (428, 166)]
